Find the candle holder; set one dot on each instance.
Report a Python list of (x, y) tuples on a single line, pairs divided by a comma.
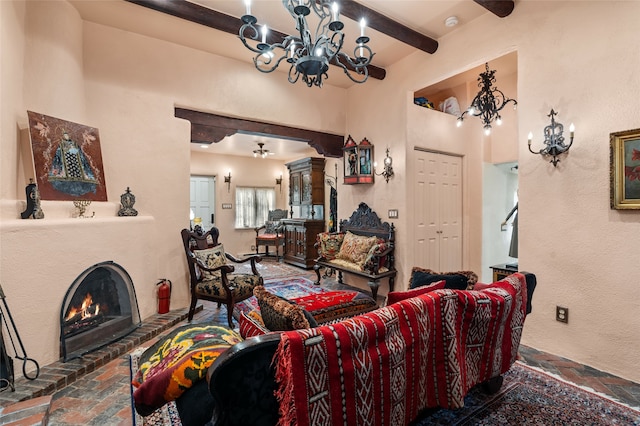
[(81, 207), (553, 140)]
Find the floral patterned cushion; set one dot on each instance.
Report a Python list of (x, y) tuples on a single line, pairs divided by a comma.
[(277, 313), (211, 258), (355, 248), (272, 227), (242, 285), (379, 247), (176, 362), (329, 244)]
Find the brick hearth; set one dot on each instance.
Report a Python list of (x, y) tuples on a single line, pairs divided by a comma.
[(56, 376)]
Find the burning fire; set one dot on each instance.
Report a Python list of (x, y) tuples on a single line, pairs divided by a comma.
[(87, 310)]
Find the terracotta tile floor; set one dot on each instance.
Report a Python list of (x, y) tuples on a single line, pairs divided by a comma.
[(102, 397)]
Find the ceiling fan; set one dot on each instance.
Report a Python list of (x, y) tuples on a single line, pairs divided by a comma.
[(261, 152)]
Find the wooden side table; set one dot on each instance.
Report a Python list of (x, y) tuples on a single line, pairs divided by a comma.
[(503, 270)]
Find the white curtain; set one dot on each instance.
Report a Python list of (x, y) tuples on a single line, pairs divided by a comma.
[(253, 205)]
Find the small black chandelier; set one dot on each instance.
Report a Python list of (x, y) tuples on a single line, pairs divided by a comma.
[(309, 54), (488, 102), (553, 139)]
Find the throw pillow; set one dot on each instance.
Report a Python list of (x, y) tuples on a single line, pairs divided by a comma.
[(329, 244), (396, 296), (211, 258), (421, 277), (379, 247), (481, 286), (278, 314), (272, 227), (354, 248), (176, 362), (251, 325)]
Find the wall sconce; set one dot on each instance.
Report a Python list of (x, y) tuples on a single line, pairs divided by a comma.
[(553, 139), (227, 180), (388, 170), (279, 182)]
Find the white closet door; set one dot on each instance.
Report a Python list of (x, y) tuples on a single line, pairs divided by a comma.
[(438, 196)]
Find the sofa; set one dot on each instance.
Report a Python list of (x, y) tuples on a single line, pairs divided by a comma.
[(426, 349)]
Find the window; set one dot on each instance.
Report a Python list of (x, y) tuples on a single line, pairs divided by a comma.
[(253, 205)]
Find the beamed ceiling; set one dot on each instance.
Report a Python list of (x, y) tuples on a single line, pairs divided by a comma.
[(397, 28)]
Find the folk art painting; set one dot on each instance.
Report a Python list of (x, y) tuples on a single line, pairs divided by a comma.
[(67, 159), (625, 169)]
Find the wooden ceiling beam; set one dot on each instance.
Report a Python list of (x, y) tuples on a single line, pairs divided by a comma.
[(388, 26), (501, 8), (222, 22), (212, 128)]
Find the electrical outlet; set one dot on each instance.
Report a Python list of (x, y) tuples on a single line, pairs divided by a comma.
[(562, 314)]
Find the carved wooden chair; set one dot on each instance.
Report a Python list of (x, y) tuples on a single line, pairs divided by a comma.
[(212, 276), (272, 232)]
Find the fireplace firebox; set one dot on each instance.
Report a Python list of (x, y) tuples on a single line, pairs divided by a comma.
[(99, 308)]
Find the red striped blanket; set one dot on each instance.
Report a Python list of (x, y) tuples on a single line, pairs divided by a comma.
[(384, 367)]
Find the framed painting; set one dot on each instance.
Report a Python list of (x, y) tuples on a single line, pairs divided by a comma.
[(625, 169), (67, 159)]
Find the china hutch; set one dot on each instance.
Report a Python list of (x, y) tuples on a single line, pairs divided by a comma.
[(306, 201)]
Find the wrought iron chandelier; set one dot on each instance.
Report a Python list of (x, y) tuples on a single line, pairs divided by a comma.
[(261, 152), (488, 102), (308, 53)]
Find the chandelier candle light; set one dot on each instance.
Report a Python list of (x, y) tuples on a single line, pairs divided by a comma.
[(488, 102), (308, 53)]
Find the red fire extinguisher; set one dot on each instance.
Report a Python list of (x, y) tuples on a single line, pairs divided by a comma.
[(164, 295)]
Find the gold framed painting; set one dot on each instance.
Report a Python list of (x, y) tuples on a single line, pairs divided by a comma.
[(625, 169)]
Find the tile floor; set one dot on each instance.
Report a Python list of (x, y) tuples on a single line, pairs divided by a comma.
[(102, 396)]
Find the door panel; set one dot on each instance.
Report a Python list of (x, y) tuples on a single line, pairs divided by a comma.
[(438, 218)]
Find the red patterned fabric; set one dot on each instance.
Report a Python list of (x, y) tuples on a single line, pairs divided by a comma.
[(396, 296), (250, 326), (336, 305), (384, 367)]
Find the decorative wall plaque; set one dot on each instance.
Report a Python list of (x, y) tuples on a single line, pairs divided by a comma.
[(67, 159)]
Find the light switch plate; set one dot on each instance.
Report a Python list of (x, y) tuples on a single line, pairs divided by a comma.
[(393, 213), (226, 206)]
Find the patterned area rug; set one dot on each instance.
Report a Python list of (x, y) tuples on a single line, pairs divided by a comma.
[(530, 396), (269, 268), (288, 288)]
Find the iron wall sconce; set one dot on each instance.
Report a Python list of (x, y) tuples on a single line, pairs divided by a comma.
[(279, 182), (553, 140), (227, 180), (388, 170)]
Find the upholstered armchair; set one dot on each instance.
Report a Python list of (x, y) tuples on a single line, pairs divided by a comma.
[(212, 277), (272, 232)]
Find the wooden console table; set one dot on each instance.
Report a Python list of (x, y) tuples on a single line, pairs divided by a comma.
[(503, 270)]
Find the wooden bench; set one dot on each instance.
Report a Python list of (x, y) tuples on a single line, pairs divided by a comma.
[(379, 261)]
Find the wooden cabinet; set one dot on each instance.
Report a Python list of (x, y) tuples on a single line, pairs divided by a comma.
[(306, 182), (299, 239), (358, 162)]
